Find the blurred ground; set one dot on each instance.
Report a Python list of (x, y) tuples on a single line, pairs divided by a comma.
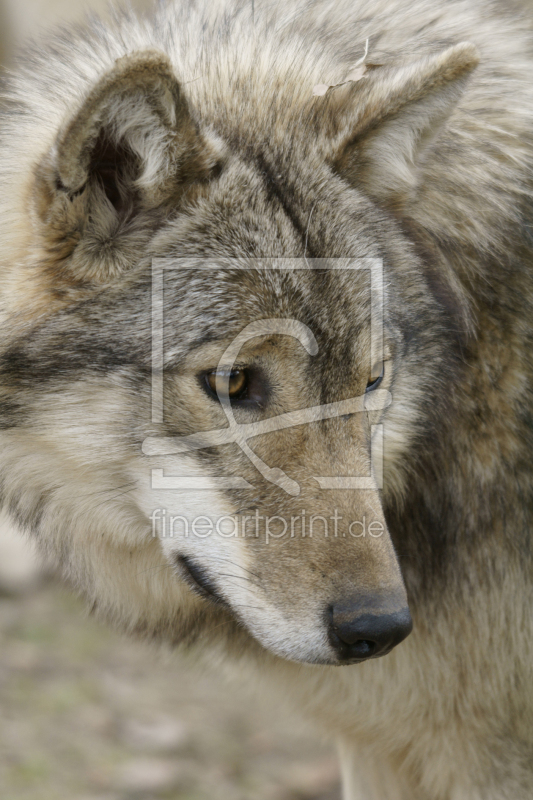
[(87, 714)]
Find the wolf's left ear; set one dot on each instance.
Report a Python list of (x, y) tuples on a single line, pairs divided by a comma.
[(387, 120), (130, 147)]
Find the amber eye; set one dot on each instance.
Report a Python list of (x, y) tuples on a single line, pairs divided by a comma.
[(376, 376), (217, 380)]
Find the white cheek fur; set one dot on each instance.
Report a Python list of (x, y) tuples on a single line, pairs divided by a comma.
[(198, 524)]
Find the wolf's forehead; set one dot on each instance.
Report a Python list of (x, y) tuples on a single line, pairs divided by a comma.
[(116, 329), (220, 301)]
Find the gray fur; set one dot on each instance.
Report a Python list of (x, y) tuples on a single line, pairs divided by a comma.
[(224, 152)]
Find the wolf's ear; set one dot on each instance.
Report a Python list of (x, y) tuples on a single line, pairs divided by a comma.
[(131, 147), (391, 116)]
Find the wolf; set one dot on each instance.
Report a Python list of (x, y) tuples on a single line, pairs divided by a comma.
[(265, 366)]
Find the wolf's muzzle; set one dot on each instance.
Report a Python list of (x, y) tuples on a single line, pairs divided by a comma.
[(356, 637)]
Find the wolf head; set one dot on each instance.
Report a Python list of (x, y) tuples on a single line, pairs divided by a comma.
[(195, 393)]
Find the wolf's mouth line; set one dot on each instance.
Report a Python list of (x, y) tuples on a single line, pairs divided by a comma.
[(198, 581)]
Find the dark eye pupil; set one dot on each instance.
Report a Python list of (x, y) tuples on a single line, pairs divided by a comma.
[(374, 382), (234, 382), (237, 382)]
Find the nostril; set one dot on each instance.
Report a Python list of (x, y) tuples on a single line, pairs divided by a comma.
[(356, 636), (350, 647), (362, 648)]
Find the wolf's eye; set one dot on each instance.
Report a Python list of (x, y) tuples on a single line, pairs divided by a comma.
[(376, 376), (217, 381)]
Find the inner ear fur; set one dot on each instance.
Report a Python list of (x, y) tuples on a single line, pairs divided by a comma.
[(386, 122), (131, 147)]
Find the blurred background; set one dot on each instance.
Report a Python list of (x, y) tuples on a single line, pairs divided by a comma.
[(87, 714)]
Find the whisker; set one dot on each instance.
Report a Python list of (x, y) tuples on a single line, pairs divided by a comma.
[(111, 499), (132, 484)]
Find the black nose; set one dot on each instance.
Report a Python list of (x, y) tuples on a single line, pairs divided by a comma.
[(355, 636)]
